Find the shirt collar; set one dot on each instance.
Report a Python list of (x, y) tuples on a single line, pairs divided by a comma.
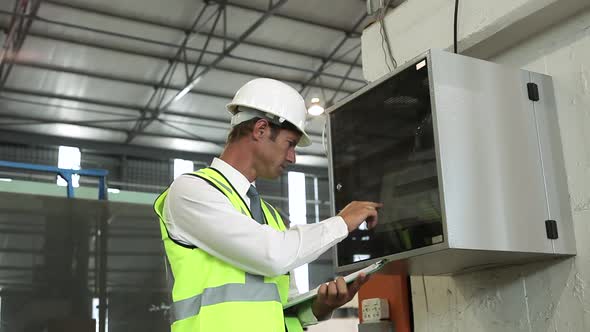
[(237, 179)]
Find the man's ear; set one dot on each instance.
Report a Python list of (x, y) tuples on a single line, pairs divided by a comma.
[(260, 128)]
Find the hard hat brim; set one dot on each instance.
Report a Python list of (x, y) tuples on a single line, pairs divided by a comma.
[(304, 141)]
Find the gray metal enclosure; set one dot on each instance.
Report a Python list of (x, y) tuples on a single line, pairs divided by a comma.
[(494, 171), (58, 254)]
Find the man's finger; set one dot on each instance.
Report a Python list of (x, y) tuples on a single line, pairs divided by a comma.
[(371, 222), (356, 285), (332, 291), (342, 288), (322, 293), (372, 204)]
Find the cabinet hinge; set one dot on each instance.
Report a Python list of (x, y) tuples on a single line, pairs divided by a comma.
[(533, 91), (551, 228)]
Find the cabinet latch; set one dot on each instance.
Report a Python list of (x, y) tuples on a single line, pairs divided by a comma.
[(551, 227)]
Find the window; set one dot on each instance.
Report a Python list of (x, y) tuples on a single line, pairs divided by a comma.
[(69, 158), (298, 216), (182, 166), (96, 312)]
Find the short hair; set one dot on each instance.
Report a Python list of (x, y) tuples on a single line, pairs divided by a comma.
[(247, 127)]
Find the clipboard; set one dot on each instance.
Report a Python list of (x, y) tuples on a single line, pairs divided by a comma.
[(348, 279)]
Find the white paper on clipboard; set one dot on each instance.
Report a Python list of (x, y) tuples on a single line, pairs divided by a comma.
[(348, 279)]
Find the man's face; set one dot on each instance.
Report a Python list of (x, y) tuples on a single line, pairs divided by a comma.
[(276, 155)]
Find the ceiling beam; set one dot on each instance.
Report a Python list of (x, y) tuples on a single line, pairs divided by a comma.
[(31, 120), (113, 77), (182, 117), (295, 19), (19, 137), (330, 101), (331, 56), (227, 3), (160, 92), (98, 102), (267, 14), (109, 148), (136, 108), (135, 19), (16, 33), (220, 68)]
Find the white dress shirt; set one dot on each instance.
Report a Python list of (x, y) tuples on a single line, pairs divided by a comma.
[(198, 214)]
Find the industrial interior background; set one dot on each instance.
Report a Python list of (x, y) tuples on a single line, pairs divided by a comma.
[(134, 85)]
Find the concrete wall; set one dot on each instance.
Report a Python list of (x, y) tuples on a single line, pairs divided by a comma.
[(485, 28), (551, 37)]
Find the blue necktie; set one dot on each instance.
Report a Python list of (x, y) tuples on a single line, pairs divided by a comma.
[(255, 207)]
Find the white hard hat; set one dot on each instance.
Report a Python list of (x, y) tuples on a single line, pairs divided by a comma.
[(272, 99)]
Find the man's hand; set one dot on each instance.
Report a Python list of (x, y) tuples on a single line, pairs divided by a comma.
[(334, 294), (356, 212)]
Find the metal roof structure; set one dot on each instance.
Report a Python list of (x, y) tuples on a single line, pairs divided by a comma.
[(156, 75)]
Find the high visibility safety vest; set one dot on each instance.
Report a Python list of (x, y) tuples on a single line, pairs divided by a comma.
[(209, 294)]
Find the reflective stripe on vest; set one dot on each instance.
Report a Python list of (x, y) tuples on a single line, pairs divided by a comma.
[(254, 290), (187, 308)]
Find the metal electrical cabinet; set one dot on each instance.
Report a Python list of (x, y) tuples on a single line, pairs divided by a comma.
[(465, 156)]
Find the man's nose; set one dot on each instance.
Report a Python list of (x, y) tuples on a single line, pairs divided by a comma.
[(291, 156)]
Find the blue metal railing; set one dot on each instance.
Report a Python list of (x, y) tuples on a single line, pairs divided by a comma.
[(66, 174)]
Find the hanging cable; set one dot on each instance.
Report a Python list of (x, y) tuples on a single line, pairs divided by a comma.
[(385, 44), (324, 138), (455, 25)]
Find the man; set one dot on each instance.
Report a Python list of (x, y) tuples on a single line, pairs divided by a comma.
[(228, 252)]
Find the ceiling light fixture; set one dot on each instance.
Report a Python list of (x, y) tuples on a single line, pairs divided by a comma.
[(315, 108)]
